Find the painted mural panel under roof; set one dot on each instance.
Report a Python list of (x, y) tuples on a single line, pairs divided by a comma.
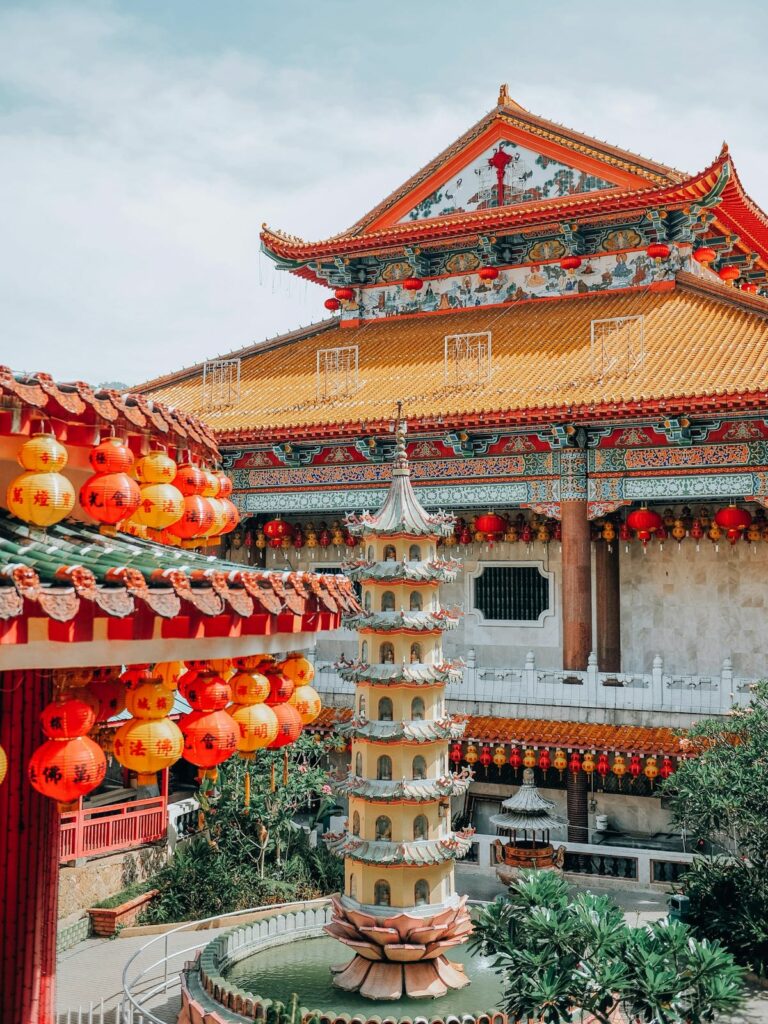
[(697, 342)]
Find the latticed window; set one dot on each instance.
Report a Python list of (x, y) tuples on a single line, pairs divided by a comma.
[(467, 359), (512, 593)]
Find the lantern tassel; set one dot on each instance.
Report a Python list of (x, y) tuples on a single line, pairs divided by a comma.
[(285, 767), (272, 777), (247, 792)]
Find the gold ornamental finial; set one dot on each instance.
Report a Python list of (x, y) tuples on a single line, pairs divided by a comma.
[(504, 97)]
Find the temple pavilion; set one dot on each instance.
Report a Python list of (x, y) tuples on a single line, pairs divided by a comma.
[(579, 336), (400, 913)]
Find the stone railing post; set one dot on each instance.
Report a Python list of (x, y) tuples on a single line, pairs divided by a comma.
[(657, 682)]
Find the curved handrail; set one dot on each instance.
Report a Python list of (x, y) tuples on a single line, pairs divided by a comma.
[(133, 1003)]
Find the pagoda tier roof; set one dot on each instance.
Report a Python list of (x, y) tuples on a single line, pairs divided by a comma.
[(527, 810), (705, 352), (402, 621), (408, 790), (404, 674), (71, 573), (433, 571), (535, 732), (389, 854), (423, 731)]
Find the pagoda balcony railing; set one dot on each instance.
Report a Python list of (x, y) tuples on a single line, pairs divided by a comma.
[(530, 691), (94, 831)]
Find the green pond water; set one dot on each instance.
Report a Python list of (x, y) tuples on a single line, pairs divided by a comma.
[(304, 967)]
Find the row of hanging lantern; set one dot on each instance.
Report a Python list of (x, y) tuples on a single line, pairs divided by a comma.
[(730, 523), (573, 761), (174, 504), (278, 534), (239, 706)]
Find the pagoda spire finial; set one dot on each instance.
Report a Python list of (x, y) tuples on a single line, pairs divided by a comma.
[(505, 100)]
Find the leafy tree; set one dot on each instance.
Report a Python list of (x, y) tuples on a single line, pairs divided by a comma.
[(719, 796), (561, 956)]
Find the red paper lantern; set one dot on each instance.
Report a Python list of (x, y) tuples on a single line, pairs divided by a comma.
[(486, 757), (345, 293), (704, 255), (66, 719), (225, 485), (196, 519), (288, 725), (277, 529), (734, 521), (208, 692), (749, 286), (635, 766), (645, 523), (658, 250), (110, 694), (574, 763), (570, 262), (189, 479), (210, 737), (230, 513), (666, 768), (413, 284), (455, 754), (515, 758), (545, 760), (110, 497), (728, 273), (332, 304), (488, 273), (603, 765), (280, 687), (111, 456), (65, 770), (490, 524)]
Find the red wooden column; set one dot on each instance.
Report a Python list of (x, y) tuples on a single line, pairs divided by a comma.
[(608, 606), (29, 859), (577, 554)]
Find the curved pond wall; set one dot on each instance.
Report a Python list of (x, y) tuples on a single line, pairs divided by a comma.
[(207, 977)]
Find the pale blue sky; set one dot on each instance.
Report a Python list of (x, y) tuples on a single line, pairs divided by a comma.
[(143, 143)]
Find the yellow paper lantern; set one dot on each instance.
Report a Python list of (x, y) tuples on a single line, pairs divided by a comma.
[(619, 766), (307, 702), (160, 505), (168, 672), (149, 701), (588, 764), (298, 669), (470, 755), (257, 726), (249, 688), (40, 498), (156, 468), (499, 757), (148, 746), (211, 484), (651, 768), (560, 761), (42, 453), (529, 758)]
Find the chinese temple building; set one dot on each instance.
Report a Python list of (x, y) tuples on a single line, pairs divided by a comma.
[(580, 337), (94, 619), (400, 913)]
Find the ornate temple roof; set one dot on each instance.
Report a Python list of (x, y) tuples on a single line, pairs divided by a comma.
[(408, 790), (705, 351), (414, 622), (396, 675), (402, 513), (539, 732), (527, 810), (421, 851), (435, 571), (424, 731)]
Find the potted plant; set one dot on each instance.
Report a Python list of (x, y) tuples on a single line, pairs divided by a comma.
[(122, 909)]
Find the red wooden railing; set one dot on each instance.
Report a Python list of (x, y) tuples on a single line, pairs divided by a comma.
[(98, 830)]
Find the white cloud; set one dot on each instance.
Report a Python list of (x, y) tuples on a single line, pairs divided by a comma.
[(136, 177)]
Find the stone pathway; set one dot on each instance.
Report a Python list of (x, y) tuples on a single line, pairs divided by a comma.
[(92, 970)]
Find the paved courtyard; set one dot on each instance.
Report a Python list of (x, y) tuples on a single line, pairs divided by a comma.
[(92, 971)]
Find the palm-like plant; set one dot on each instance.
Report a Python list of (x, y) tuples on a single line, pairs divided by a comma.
[(560, 956)]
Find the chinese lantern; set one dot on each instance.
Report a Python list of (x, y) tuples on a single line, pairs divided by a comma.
[(110, 694), (734, 521), (189, 479), (257, 724), (545, 760), (110, 495), (230, 513), (658, 251), (515, 759), (208, 692), (156, 468), (413, 284), (455, 754), (499, 757), (197, 518), (298, 669), (332, 304), (570, 262), (149, 742), (169, 673), (749, 286), (42, 495), (210, 737), (704, 255), (645, 523), (666, 768), (307, 702), (486, 758), (635, 766), (588, 763), (276, 529), (280, 687), (225, 485), (491, 525), (345, 294), (69, 764), (160, 505), (288, 725), (603, 766), (651, 769), (111, 456), (574, 763), (470, 755), (560, 761), (529, 758), (488, 273), (619, 767), (249, 687), (728, 273)]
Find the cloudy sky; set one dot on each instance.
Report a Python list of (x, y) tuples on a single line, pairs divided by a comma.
[(144, 142)]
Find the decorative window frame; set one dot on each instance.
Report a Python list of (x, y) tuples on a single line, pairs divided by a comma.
[(533, 563)]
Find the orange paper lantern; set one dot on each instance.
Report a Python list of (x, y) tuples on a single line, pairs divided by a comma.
[(289, 726), (298, 669), (110, 497), (147, 746), (65, 770), (160, 506), (249, 688), (210, 737), (257, 725), (111, 456), (156, 468), (208, 692), (307, 702)]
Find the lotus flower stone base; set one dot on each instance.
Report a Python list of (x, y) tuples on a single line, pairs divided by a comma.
[(403, 954)]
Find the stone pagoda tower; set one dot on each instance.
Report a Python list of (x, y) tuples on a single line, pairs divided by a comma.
[(400, 912)]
